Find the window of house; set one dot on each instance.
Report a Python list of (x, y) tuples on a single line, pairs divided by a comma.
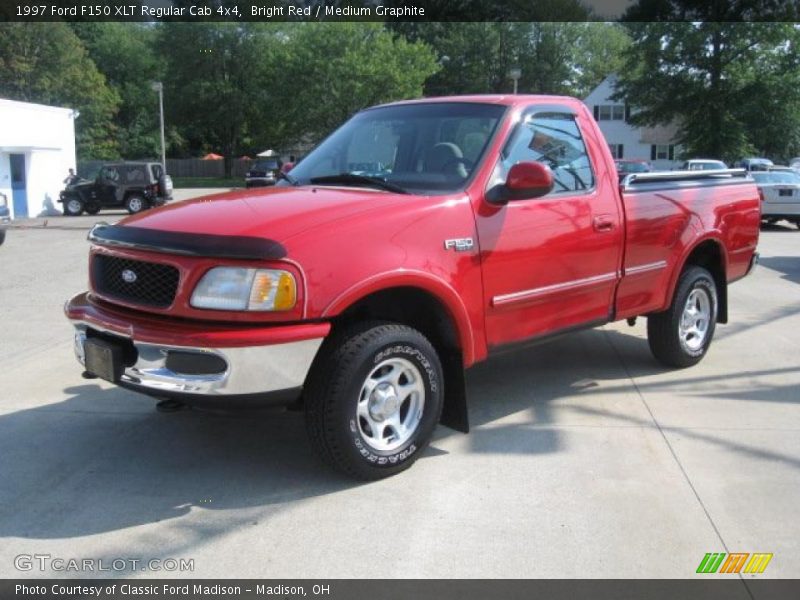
[(609, 112), (662, 152), (617, 150), (555, 140)]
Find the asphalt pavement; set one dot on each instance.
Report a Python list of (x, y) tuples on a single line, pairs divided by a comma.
[(586, 459)]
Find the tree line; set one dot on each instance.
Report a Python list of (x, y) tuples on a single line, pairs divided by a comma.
[(238, 88)]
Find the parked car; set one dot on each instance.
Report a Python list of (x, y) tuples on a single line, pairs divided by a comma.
[(702, 164), (135, 186), (626, 167), (493, 221), (263, 172), (754, 164), (795, 163), (5, 217), (779, 189)]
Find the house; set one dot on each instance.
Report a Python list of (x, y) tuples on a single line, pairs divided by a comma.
[(37, 147), (656, 145)]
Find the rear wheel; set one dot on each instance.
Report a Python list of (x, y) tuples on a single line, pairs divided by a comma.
[(73, 207), (92, 209), (373, 399), (680, 336), (135, 203)]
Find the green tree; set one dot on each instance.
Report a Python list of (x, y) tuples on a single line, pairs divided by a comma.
[(599, 51), (331, 70), (125, 54), (731, 87), (554, 58), (216, 86), (47, 63)]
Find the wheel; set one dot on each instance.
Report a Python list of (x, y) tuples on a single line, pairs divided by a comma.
[(73, 207), (797, 223), (681, 335), (373, 399), (2, 236), (92, 209), (135, 203)]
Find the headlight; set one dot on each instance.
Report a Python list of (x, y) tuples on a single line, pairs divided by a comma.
[(239, 288)]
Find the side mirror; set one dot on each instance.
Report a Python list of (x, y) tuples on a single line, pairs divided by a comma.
[(528, 180)]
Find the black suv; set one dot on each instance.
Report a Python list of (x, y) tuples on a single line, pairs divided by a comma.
[(133, 185)]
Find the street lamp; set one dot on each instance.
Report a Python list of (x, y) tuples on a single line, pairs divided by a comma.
[(157, 86), (515, 73)]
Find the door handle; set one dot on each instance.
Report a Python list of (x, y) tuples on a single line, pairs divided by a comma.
[(603, 223)]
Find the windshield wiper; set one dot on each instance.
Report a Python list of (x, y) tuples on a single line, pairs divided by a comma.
[(281, 175), (359, 179)]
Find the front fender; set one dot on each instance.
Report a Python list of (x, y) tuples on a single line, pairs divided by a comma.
[(438, 288)]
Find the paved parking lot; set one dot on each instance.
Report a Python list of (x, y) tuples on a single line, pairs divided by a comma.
[(587, 459)]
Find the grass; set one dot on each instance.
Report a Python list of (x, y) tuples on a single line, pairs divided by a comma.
[(207, 182)]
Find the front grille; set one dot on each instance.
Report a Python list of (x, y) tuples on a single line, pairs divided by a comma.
[(152, 284)]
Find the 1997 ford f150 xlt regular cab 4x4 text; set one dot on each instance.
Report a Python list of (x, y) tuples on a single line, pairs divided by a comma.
[(413, 242)]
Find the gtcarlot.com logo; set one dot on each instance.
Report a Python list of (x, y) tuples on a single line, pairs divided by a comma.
[(752, 563), (48, 562)]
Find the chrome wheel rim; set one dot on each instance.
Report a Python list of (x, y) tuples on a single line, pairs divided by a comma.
[(74, 206), (695, 320), (390, 404), (135, 204)]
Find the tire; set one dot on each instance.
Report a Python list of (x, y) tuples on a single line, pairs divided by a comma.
[(73, 207), (355, 418), (672, 341), (797, 223), (135, 204), (92, 209), (2, 236)]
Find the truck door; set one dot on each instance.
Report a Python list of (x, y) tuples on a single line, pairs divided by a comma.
[(550, 263)]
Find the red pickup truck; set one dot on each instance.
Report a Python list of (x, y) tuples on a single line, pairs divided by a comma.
[(416, 240)]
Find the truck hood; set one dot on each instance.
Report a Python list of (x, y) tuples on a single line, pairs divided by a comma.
[(277, 213)]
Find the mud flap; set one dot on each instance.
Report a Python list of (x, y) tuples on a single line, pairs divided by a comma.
[(455, 414)]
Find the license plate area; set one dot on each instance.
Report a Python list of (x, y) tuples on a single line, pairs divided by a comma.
[(786, 193), (104, 359)]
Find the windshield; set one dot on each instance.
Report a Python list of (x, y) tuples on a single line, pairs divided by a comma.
[(706, 165), (417, 147), (632, 168), (265, 165), (777, 177)]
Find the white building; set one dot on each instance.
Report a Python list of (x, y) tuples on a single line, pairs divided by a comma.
[(37, 148), (656, 145)]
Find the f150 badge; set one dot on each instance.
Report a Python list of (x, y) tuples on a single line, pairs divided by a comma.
[(459, 244)]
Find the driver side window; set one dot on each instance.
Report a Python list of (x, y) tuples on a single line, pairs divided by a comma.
[(109, 174), (555, 140)]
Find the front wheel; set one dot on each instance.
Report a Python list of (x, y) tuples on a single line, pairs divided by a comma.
[(373, 399), (73, 207), (680, 336)]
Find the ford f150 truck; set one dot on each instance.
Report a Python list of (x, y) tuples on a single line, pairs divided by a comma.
[(413, 242)]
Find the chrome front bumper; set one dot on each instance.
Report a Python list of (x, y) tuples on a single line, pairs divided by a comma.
[(249, 370)]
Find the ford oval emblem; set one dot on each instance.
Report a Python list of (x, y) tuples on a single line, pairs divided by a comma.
[(128, 276)]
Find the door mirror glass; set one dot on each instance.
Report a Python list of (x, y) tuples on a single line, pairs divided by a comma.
[(529, 179)]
